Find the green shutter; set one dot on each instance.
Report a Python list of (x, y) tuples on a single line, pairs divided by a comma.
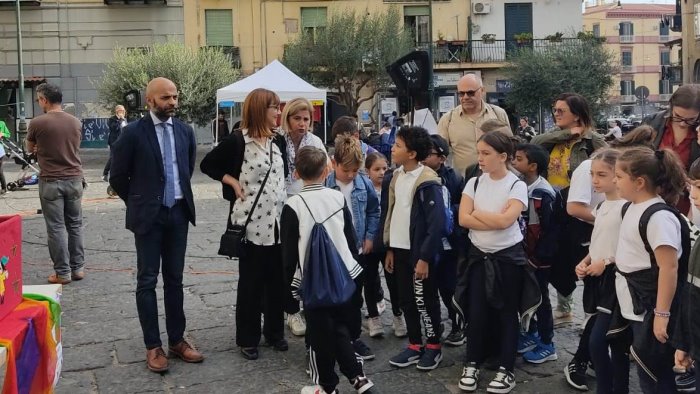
[(219, 27), (313, 16), (415, 10)]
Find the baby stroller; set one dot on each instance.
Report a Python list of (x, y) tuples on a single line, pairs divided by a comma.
[(29, 174)]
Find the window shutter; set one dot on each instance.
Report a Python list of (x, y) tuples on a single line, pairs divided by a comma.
[(219, 27), (313, 17), (413, 10)]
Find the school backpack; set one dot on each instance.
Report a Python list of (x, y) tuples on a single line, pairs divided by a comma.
[(686, 233), (326, 281), (449, 226)]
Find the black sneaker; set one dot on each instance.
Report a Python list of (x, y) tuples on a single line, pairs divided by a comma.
[(430, 359), (575, 374), (362, 385), (456, 338), (503, 383), (250, 353), (280, 345), (407, 357), (362, 350), (685, 382)]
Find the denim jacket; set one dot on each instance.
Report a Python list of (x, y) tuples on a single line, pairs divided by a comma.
[(365, 207)]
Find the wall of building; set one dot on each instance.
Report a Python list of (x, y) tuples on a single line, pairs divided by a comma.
[(68, 42), (691, 41)]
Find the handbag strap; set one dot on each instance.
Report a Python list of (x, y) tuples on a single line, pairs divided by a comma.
[(257, 197)]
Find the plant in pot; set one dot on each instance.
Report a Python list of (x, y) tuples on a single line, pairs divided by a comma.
[(523, 38), (441, 38), (488, 38), (556, 37)]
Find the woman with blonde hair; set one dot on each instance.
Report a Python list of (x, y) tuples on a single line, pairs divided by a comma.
[(297, 123), (251, 165)]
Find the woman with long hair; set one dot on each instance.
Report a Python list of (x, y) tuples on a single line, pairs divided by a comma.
[(251, 166)]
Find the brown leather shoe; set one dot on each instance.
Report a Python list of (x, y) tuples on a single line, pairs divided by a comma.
[(156, 360), (77, 275), (186, 352), (55, 279)]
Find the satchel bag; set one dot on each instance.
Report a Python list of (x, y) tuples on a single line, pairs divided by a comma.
[(233, 241)]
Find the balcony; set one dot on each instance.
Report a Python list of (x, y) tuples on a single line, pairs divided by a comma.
[(665, 97), (135, 2), (12, 3), (627, 69), (663, 39), (495, 51), (626, 39), (628, 99)]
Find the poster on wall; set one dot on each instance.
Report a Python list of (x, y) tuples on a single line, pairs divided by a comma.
[(446, 103), (389, 105)]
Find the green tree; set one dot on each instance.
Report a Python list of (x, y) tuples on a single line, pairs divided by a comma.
[(582, 66), (349, 56), (198, 73)]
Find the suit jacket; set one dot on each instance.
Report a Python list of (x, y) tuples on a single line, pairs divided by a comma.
[(137, 173), (114, 130)]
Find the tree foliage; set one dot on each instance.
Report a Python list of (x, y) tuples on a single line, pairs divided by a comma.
[(198, 73), (582, 66), (351, 53)]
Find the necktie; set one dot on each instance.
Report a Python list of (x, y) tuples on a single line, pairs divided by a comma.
[(169, 195)]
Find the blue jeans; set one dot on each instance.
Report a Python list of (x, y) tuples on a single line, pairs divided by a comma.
[(612, 369), (62, 208), (545, 320)]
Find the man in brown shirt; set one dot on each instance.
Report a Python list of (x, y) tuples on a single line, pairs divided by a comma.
[(55, 138), (460, 126)]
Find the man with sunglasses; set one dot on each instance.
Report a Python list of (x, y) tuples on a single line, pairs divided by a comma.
[(676, 129), (460, 126)]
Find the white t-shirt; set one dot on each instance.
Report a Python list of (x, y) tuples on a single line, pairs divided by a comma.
[(631, 256), (399, 236), (581, 186), (606, 230), (346, 189), (493, 196)]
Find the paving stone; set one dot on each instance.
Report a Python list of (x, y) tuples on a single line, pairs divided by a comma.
[(129, 378), (81, 358), (76, 383)]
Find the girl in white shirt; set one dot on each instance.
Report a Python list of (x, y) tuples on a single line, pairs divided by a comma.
[(597, 270), (490, 207), (646, 284)]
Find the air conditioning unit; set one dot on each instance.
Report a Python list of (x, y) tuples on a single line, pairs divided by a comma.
[(481, 7)]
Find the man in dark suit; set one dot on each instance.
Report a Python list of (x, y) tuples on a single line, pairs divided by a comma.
[(152, 165), (115, 124)]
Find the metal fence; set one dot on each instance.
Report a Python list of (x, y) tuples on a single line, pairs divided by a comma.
[(491, 51)]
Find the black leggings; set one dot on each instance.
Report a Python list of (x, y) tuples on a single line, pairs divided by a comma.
[(373, 285), (3, 184), (480, 327)]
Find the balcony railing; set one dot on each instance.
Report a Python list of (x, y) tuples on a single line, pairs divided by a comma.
[(626, 39), (628, 98), (495, 51), (626, 69), (664, 97)]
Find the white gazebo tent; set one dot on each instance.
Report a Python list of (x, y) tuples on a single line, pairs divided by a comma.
[(277, 78)]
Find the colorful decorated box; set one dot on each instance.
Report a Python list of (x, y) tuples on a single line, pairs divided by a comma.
[(3, 365), (10, 263)]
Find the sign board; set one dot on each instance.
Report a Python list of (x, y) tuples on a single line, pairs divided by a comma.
[(503, 86), (641, 92), (95, 133), (365, 115), (389, 105), (446, 103)]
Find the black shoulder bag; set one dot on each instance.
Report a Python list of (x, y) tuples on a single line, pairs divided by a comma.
[(233, 241)]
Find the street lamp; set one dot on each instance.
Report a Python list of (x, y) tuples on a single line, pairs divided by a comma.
[(431, 84), (22, 127)]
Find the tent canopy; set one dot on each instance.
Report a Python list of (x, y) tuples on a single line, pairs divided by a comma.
[(275, 77)]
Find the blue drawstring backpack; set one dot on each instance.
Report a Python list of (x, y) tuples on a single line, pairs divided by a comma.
[(326, 281)]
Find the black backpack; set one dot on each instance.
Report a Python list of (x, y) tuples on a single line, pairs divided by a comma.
[(375, 141)]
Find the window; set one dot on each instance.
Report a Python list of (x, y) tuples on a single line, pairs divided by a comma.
[(219, 27), (626, 58), (415, 18), (665, 58), (596, 30), (626, 32), (664, 86), (627, 90), (663, 30), (313, 19)]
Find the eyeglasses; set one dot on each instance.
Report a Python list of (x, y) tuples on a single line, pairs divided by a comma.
[(559, 111), (690, 122), (433, 154), (469, 93)]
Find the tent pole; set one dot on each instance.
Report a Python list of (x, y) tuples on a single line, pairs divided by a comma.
[(325, 121)]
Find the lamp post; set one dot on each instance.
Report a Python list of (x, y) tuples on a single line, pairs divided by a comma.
[(22, 127), (431, 84)]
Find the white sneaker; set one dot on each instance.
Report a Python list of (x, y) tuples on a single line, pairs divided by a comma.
[(399, 326), (503, 383), (376, 327), (297, 324), (381, 307), (470, 378), (316, 390)]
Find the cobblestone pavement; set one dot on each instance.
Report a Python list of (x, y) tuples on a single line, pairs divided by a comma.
[(103, 348)]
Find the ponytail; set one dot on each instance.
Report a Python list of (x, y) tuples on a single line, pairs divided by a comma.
[(662, 170)]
